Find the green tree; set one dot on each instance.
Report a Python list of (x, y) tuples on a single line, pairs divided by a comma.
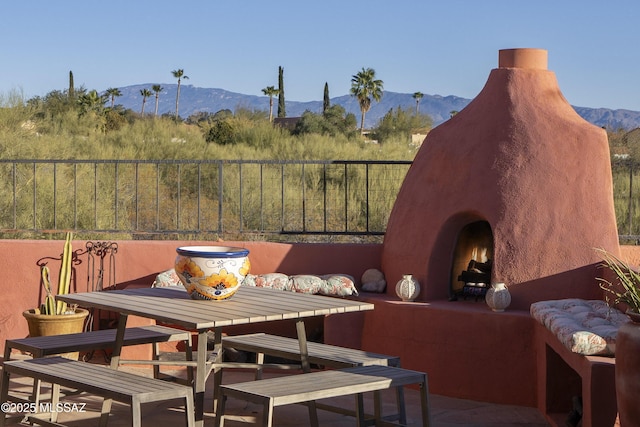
[(178, 74), (401, 124), (335, 121), (112, 93), (72, 91), (145, 93), (157, 89), (270, 91), (365, 86), (281, 106), (326, 102), (55, 103), (417, 96)]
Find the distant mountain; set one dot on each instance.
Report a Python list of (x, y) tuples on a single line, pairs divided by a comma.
[(195, 99)]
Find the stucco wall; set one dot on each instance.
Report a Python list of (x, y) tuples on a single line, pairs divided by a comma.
[(138, 262)]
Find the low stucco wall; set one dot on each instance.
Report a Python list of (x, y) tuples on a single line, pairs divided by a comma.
[(138, 262)]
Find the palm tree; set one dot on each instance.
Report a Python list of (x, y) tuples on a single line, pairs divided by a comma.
[(145, 94), (92, 101), (270, 91), (157, 89), (178, 74), (112, 92), (364, 86), (417, 96)]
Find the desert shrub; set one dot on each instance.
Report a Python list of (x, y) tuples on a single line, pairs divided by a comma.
[(221, 132)]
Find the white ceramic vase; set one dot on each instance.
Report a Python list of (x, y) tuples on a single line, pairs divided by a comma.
[(498, 297), (407, 288)]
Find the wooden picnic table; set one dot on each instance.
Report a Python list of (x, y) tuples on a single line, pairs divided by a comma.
[(249, 305)]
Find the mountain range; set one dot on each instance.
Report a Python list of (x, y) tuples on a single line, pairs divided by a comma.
[(196, 99)]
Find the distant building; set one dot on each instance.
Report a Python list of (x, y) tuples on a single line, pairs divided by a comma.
[(288, 123)]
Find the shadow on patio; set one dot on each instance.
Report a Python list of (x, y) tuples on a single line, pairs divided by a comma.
[(446, 411)]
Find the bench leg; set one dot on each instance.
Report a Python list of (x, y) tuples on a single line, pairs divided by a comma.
[(424, 403), (189, 355), (267, 414), (306, 367), (104, 412), (55, 399), (115, 363), (377, 406), (259, 362), (35, 392), (222, 404), (217, 370), (360, 416), (136, 413), (4, 394), (155, 355), (189, 411), (402, 410)]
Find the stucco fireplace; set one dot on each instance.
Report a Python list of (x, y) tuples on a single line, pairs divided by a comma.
[(517, 178)]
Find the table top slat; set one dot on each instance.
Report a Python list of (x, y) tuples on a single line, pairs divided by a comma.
[(248, 305)]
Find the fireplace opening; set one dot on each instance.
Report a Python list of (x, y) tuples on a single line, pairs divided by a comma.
[(472, 262)]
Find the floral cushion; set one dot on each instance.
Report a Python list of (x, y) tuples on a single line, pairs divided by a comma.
[(167, 278), (272, 280), (586, 327), (331, 284), (338, 284)]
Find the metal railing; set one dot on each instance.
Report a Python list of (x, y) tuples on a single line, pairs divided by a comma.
[(191, 198), (626, 195), (209, 199)]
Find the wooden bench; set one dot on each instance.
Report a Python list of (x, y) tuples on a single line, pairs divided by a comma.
[(319, 354), (94, 340), (563, 374), (325, 355), (98, 340), (575, 347), (291, 389), (99, 380)]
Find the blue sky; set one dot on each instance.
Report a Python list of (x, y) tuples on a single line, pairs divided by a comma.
[(446, 47)]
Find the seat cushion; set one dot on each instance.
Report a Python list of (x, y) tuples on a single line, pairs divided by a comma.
[(586, 327), (340, 285)]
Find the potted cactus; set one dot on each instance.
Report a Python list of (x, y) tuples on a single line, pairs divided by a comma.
[(625, 289), (54, 317)]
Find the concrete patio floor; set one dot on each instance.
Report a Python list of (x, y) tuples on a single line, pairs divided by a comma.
[(445, 411)]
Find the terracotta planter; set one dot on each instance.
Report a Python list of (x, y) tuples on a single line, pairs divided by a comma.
[(45, 324), (628, 374)]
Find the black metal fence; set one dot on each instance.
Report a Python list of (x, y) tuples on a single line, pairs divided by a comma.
[(209, 199), (203, 199)]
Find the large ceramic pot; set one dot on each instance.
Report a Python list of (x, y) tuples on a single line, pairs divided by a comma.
[(628, 372), (212, 272)]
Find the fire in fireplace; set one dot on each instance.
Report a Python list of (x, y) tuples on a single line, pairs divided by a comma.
[(473, 257)]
